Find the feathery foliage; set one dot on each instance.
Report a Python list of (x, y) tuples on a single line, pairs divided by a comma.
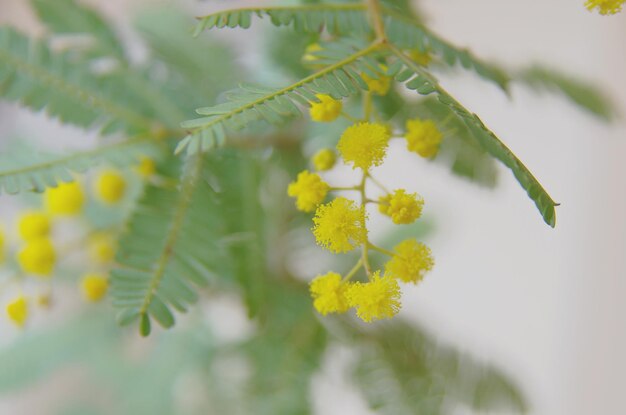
[(67, 17), (251, 103), (583, 94), (32, 171), (35, 76), (417, 78), (168, 248)]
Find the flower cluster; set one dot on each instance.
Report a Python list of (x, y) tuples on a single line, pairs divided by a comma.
[(605, 7), (37, 249), (340, 225)]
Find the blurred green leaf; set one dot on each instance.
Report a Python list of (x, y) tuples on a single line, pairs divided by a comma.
[(587, 96)]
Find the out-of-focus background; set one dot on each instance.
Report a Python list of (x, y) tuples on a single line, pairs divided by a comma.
[(546, 304)]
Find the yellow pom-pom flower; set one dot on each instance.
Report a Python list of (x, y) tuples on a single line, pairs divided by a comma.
[(17, 311), (146, 167), (33, 225), (412, 260), (423, 137), (378, 86), (324, 159), (94, 287), (377, 299), (421, 58), (101, 248), (327, 110), (37, 257), (65, 199), (110, 186), (329, 294), (309, 190), (401, 207), (339, 226), (364, 145), (605, 6)]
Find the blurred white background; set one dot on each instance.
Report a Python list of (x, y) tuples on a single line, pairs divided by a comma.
[(547, 305)]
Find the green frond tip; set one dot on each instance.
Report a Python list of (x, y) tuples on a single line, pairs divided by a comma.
[(162, 257), (69, 17), (31, 171), (586, 96), (35, 76), (252, 103), (337, 19), (417, 78), (405, 33)]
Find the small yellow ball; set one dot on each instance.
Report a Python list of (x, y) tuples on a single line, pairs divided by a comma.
[(110, 187), (37, 257), (94, 287), (146, 167), (327, 110), (324, 159), (65, 199), (33, 225), (17, 311)]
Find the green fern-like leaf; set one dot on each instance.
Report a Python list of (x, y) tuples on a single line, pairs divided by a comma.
[(68, 17), (335, 18), (351, 20), (28, 171), (169, 248), (251, 103), (586, 96), (407, 34), (417, 78), (30, 73), (402, 370)]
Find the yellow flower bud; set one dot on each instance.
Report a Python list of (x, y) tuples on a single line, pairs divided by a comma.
[(94, 287), (33, 225), (146, 167), (327, 110), (423, 137), (65, 199), (110, 186), (17, 311), (309, 190), (37, 257), (324, 159)]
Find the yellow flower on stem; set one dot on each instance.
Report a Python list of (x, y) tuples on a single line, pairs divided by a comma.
[(401, 207), (378, 86), (324, 159), (110, 186), (65, 199), (17, 311), (94, 287), (329, 293), (339, 226), (309, 190), (327, 110), (33, 225), (412, 260), (421, 58), (605, 6), (423, 137), (37, 257), (377, 299), (146, 167), (364, 145)]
